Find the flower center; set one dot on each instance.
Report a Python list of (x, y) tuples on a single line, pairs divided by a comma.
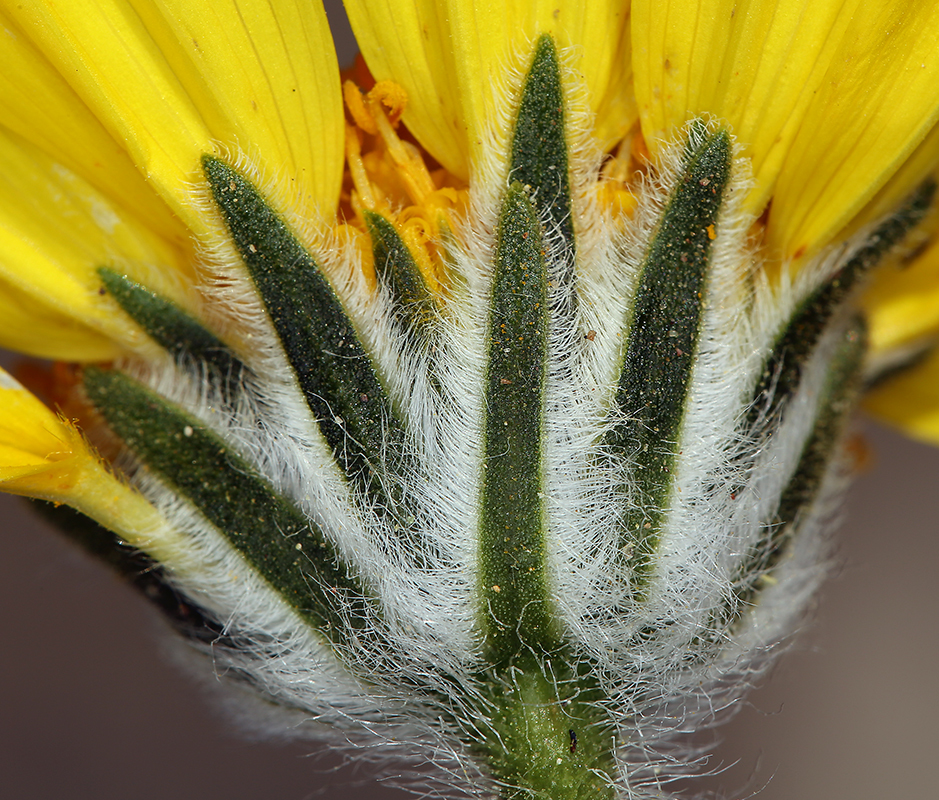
[(390, 174)]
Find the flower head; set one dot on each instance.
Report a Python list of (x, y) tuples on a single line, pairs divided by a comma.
[(502, 412)]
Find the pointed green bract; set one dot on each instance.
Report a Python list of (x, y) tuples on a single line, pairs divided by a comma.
[(272, 534), (333, 369), (549, 736), (512, 557), (398, 270), (783, 369), (782, 375), (550, 600), (539, 144), (838, 399), (540, 161), (662, 343), (172, 328)]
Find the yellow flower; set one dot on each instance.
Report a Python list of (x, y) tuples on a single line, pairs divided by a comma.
[(107, 109), (812, 94), (45, 457), (509, 294), (109, 106)]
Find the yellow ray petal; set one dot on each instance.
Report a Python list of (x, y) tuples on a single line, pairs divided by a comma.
[(921, 165), (903, 304), (55, 231), (105, 53), (827, 97), (877, 103), (408, 43), (910, 401), (615, 104), (263, 73), (748, 63), (451, 57), (39, 106), (43, 456), (169, 82), (30, 434), (31, 326)]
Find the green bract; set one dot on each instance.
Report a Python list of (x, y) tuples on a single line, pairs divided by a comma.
[(527, 526)]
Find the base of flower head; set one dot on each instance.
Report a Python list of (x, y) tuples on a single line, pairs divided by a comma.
[(530, 516)]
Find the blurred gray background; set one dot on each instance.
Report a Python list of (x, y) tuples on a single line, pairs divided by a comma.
[(92, 707)]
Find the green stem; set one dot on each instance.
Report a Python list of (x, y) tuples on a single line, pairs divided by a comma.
[(550, 739)]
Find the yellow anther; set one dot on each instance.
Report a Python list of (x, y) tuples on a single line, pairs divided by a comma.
[(387, 96), (377, 114), (419, 238), (363, 186), (355, 102), (617, 199), (392, 98), (406, 157), (389, 176), (618, 176)]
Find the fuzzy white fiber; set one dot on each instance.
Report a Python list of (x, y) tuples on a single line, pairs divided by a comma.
[(404, 685)]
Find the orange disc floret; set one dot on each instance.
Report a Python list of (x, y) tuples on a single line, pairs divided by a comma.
[(387, 173)]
